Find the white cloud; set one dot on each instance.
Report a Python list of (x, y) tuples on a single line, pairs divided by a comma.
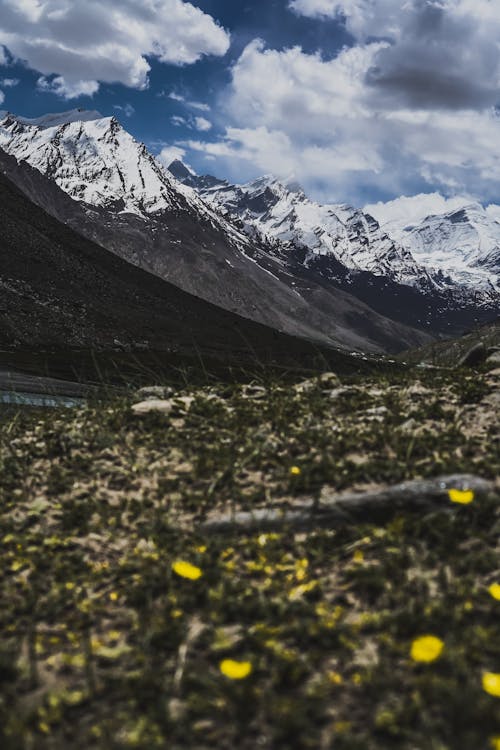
[(315, 8), (127, 109), (85, 42), (2, 97), (202, 124), (201, 106), (176, 97), (442, 53), (178, 121), (168, 154), (62, 87), (319, 119), (9, 83), (3, 56), (412, 210), (182, 99), (363, 18)]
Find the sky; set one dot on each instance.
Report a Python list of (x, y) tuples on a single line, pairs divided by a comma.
[(361, 101)]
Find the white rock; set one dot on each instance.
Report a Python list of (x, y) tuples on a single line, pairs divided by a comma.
[(152, 405)]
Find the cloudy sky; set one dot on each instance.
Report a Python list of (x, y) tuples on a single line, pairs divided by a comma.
[(360, 100)]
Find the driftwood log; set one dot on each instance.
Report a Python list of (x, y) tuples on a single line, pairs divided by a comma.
[(332, 509)]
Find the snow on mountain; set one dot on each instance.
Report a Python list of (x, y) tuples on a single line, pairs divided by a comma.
[(283, 212), (458, 249), (61, 118), (96, 161), (463, 243), (128, 202)]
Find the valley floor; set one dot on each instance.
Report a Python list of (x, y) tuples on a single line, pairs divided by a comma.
[(108, 642)]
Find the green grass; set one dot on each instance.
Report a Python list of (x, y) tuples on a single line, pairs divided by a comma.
[(104, 646)]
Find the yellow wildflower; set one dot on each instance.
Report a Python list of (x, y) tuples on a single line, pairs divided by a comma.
[(462, 497), (491, 684), (335, 678), (304, 588), (114, 596), (295, 471), (494, 590), (358, 556), (495, 743), (186, 570), (426, 649), (301, 567), (235, 670)]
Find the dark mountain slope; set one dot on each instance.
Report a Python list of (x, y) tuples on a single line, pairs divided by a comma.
[(58, 289)]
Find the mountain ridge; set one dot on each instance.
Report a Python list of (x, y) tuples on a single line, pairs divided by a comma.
[(350, 249), (140, 212)]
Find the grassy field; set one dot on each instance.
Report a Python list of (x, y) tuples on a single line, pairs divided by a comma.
[(124, 626)]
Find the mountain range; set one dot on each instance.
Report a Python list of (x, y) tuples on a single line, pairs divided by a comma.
[(262, 251), (62, 291), (442, 274)]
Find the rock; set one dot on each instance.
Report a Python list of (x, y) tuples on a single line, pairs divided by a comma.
[(153, 405), (329, 380), (253, 391), (182, 403), (417, 389), (326, 382), (342, 391), (493, 360), (155, 392), (377, 413), (474, 356), (408, 427), (422, 495)]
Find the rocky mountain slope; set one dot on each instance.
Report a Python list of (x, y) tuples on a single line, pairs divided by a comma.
[(60, 290), (123, 199), (350, 249)]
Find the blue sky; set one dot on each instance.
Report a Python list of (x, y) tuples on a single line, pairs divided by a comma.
[(203, 82), (360, 100)]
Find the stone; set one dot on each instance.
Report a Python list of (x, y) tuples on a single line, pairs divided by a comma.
[(493, 361), (155, 392), (152, 405), (408, 427), (253, 391), (326, 382), (475, 356)]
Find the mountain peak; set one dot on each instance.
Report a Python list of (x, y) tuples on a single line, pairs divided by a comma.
[(179, 170), (92, 158)]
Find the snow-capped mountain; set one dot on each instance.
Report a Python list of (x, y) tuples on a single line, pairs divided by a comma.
[(388, 270), (283, 212), (128, 202), (464, 244), (94, 160)]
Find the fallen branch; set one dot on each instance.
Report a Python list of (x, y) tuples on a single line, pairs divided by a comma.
[(417, 495)]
